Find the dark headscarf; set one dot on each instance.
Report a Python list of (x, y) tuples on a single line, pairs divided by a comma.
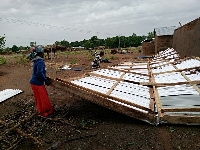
[(37, 49)]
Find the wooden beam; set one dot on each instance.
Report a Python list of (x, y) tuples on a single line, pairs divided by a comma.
[(128, 71), (191, 109), (176, 70), (92, 95), (194, 85), (169, 84), (116, 83), (177, 119), (157, 97), (106, 100), (102, 76)]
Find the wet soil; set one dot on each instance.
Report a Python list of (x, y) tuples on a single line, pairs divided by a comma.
[(77, 124)]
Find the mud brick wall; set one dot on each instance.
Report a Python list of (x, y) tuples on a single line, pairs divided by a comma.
[(148, 48), (187, 39), (163, 42)]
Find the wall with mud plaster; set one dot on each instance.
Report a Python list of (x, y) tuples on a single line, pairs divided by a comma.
[(186, 39)]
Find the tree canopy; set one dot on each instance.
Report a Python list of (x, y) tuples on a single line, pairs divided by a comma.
[(2, 42), (110, 42)]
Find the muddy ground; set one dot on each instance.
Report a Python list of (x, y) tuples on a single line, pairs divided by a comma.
[(77, 124)]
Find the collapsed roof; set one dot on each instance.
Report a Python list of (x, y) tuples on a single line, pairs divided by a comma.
[(164, 89)]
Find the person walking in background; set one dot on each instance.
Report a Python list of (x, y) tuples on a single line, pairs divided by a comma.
[(37, 81)]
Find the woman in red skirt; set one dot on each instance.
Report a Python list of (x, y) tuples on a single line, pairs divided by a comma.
[(37, 81)]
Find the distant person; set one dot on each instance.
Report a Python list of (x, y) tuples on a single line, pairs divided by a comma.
[(37, 81)]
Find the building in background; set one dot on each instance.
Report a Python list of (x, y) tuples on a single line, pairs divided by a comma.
[(186, 39), (163, 38)]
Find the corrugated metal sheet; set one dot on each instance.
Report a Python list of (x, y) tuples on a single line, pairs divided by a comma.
[(165, 30)]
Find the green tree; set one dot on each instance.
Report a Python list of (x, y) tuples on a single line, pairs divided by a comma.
[(87, 45), (8, 49), (150, 35), (32, 44), (57, 43), (2, 43), (15, 49), (64, 43)]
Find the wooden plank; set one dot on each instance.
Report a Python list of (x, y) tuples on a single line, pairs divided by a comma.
[(178, 119), (191, 109), (195, 87), (135, 69), (157, 97), (105, 100), (169, 84), (124, 70), (93, 95), (102, 76), (194, 57), (117, 79), (176, 61), (112, 88), (176, 70)]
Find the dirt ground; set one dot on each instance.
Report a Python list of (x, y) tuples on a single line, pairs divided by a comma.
[(77, 124)]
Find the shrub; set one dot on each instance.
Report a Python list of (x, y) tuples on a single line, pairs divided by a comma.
[(3, 60)]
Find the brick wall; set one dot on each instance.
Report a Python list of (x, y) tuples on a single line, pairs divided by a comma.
[(148, 48), (163, 42), (187, 39)]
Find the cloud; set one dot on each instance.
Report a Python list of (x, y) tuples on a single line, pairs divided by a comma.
[(64, 19)]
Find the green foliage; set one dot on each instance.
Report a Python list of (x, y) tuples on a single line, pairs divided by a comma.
[(73, 61), (2, 43), (22, 59), (150, 35), (105, 58), (91, 58), (110, 42), (75, 52), (88, 122), (15, 49), (171, 129), (64, 43), (3, 60), (8, 49), (32, 44), (129, 144), (112, 57), (57, 43), (86, 53)]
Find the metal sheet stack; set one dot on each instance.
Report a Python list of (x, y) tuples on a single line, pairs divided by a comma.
[(8, 93)]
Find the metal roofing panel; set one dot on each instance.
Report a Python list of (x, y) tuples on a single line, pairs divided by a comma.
[(165, 30)]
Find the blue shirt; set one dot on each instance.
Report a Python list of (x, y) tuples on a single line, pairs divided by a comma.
[(39, 72)]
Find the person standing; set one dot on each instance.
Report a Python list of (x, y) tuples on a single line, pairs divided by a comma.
[(38, 82)]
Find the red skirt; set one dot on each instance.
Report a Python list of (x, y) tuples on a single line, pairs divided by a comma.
[(41, 99)]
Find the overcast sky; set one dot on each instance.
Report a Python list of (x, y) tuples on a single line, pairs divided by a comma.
[(47, 21)]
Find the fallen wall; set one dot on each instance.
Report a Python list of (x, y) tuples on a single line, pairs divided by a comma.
[(186, 39)]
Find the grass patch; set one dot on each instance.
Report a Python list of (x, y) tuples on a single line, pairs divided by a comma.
[(73, 61), (3, 60), (112, 57), (91, 58)]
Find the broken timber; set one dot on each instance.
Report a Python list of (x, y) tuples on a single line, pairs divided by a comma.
[(139, 74), (105, 100)]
